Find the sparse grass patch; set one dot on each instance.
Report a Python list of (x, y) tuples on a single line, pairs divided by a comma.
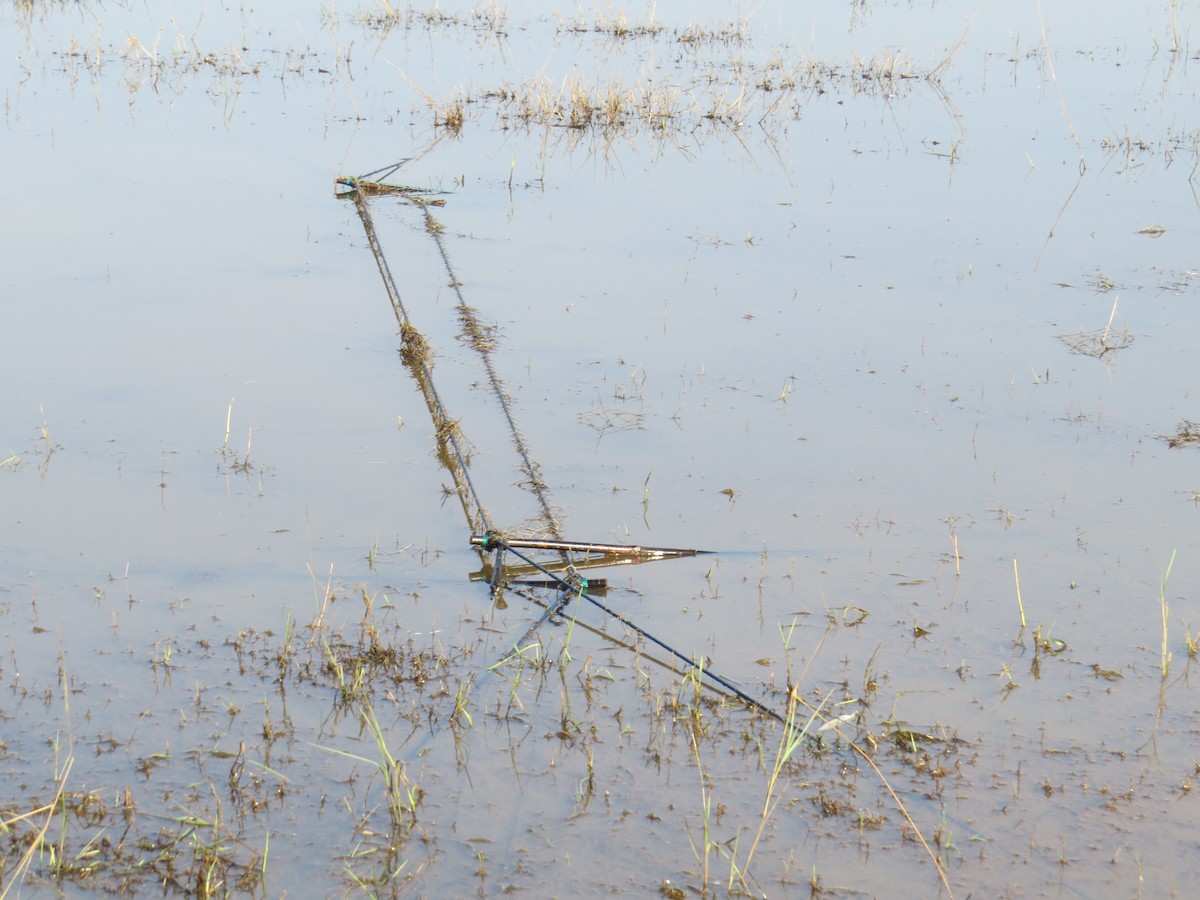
[(451, 117), (1100, 343), (616, 25), (488, 17), (604, 107), (729, 93), (1187, 434)]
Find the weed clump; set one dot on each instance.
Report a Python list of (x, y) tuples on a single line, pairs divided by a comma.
[(1187, 434)]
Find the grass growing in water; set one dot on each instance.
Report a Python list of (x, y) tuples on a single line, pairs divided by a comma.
[(1162, 602), (790, 742)]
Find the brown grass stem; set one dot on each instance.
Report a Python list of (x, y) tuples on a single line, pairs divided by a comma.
[(325, 597), (908, 818), (791, 741), (706, 804), (37, 843)]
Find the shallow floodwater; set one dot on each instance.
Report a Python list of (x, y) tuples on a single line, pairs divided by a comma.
[(888, 307)]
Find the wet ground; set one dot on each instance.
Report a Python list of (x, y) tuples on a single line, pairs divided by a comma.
[(889, 308)]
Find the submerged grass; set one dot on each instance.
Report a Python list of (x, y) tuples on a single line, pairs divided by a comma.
[(1187, 434), (385, 702), (403, 796), (722, 90), (751, 93), (791, 740), (36, 840), (207, 838)]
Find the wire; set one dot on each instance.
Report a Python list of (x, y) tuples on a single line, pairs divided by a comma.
[(577, 587)]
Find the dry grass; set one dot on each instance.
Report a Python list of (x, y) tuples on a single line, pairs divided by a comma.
[(489, 18), (1187, 434), (617, 26), (1100, 343), (451, 117), (732, 95), (608, 107)]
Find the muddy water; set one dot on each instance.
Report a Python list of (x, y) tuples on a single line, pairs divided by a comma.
[(869, 335)]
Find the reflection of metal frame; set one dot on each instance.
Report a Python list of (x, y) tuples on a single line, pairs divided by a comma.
[(414, 352), (453, 454)]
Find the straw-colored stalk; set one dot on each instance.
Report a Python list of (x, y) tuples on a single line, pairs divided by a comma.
[(1020, 605), (1162, 602), (36, 844)]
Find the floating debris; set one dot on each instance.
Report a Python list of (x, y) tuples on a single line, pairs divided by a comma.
[(1187, 434)]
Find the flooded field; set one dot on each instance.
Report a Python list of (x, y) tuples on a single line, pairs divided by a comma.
[(885, 308)]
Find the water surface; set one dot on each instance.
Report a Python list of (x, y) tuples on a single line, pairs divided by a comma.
[(872, 303)]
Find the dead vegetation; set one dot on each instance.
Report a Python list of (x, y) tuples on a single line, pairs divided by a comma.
[(1099, 343), (757, 94), (1187, 434)]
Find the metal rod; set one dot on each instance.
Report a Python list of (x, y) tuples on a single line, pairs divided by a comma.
[(569, 592), (583, 547)]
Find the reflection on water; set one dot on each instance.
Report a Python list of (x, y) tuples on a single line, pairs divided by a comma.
[(872, 300)]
